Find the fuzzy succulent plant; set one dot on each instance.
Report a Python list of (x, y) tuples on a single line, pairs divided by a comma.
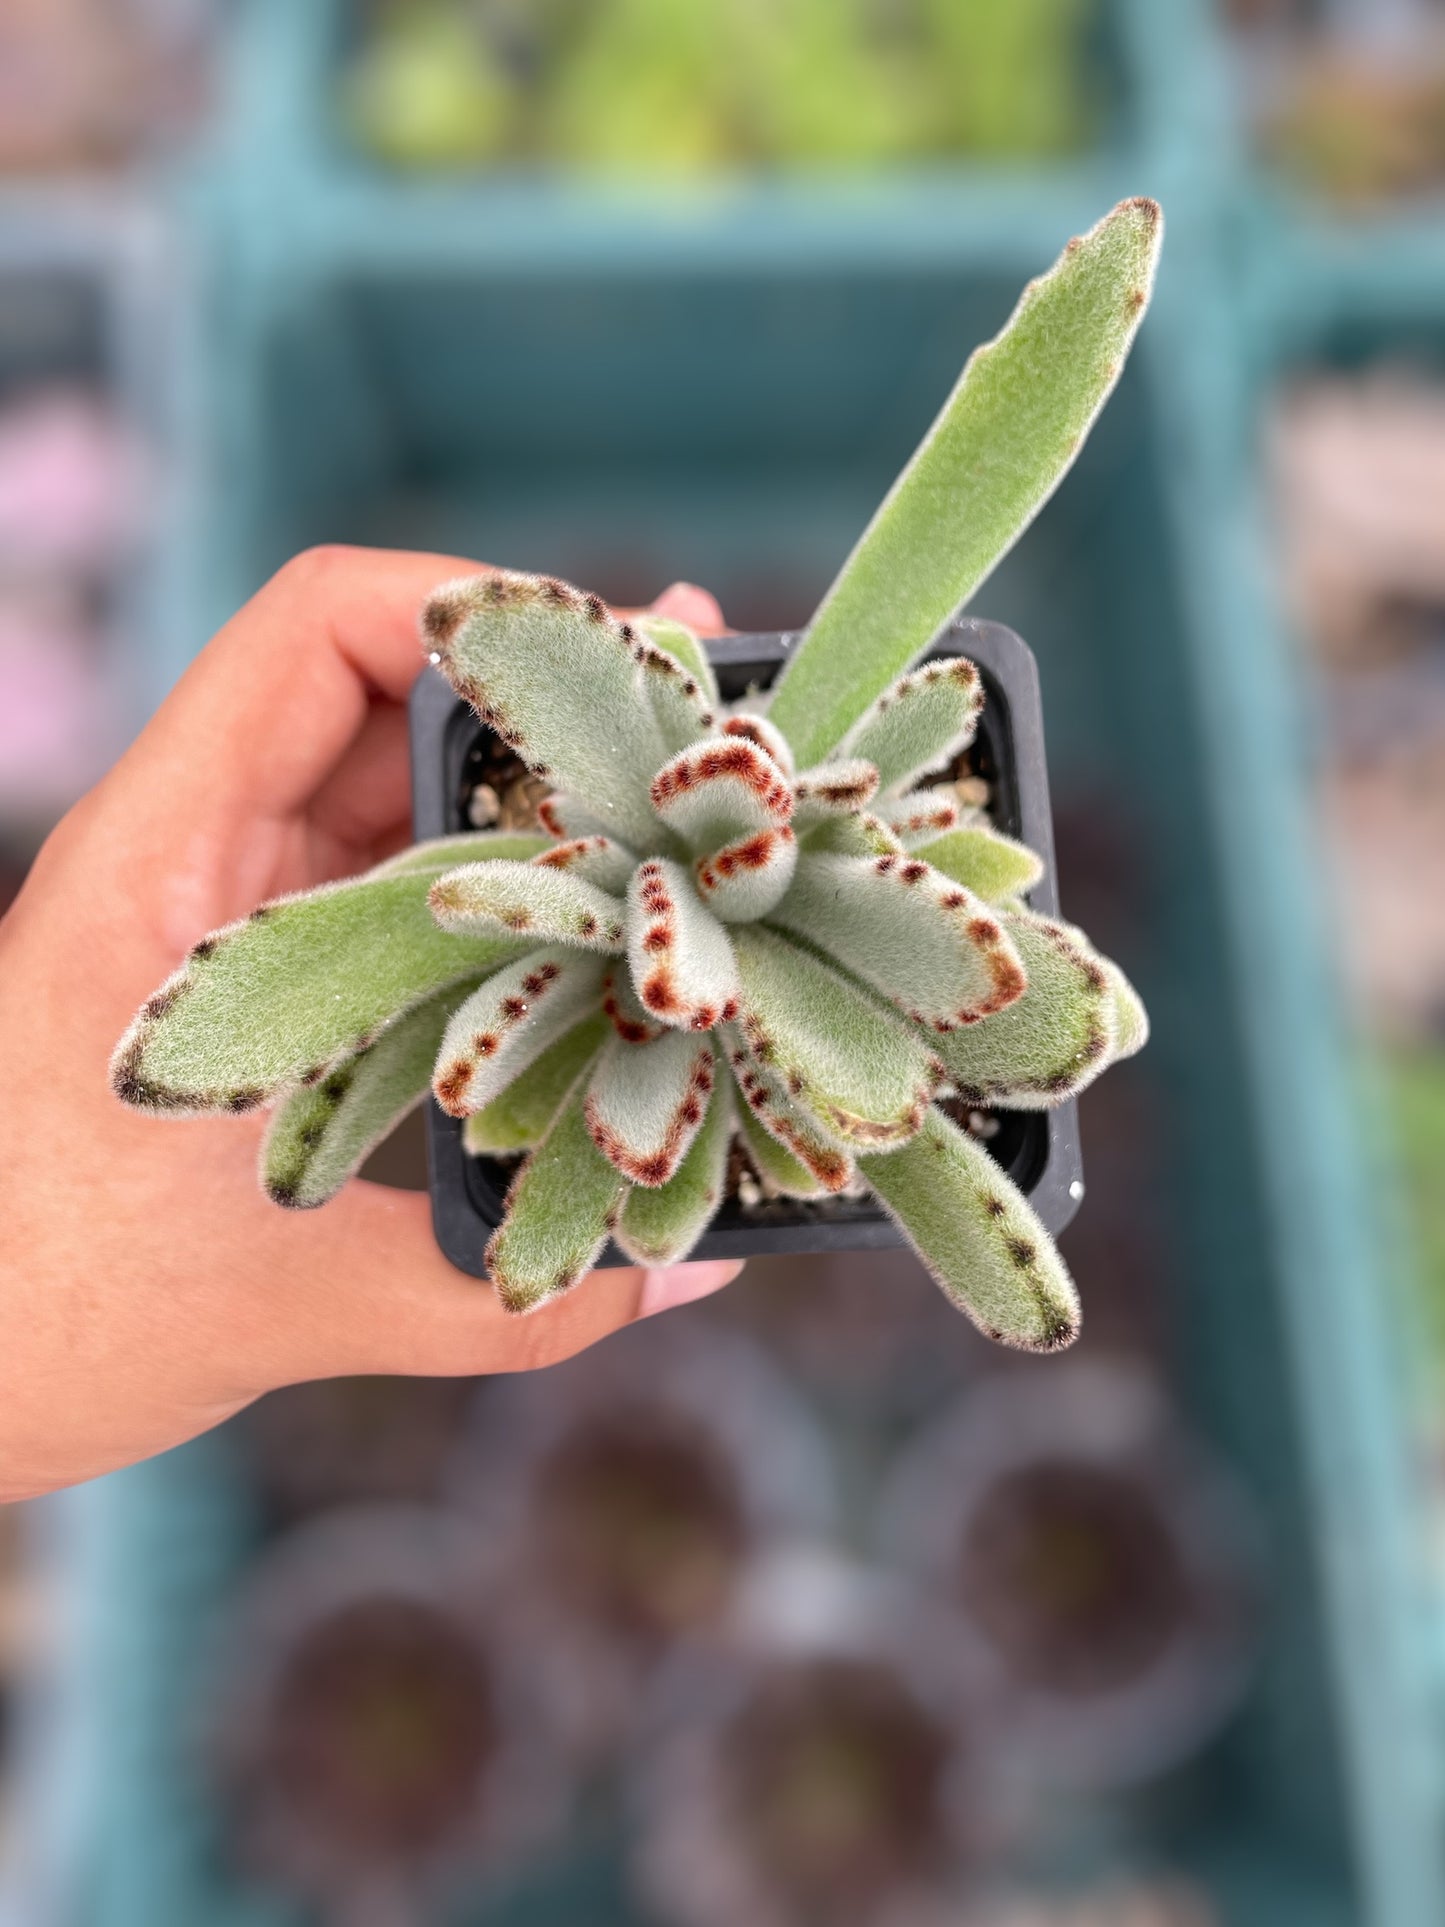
[(755, 922)]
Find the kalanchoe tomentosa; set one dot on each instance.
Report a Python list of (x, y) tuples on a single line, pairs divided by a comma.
[(758, 922)]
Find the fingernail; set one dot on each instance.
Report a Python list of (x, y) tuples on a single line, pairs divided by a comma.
[(685, 602), (674, 1285)]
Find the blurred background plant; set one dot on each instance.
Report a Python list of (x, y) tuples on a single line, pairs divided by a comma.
[(681, 87), (272, 274)]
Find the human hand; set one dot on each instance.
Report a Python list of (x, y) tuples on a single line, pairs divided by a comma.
[(148, 1289)]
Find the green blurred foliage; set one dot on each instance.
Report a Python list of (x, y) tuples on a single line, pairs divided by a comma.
[(1415, 1085), (687, 87)]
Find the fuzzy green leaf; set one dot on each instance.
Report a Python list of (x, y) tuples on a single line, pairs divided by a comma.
[(279, 998), (622, 1006), (858, 1068), (506, 1025), (832, 789), (919, 818), (569, 819), (918, 938), (324, 1132), (720, 792), (594, 859), (1130, 1018), (555, 674), (542, 904), (757, 729), (990, 864), (685, 648), (743, 881), (682, 963), (1053, 1041), (799, 1156), (518, 1118), (1006, 437), (978, 1236), (919, 723), (773, 1162), (861, 834), (447, 852), (562, 1205), (646, 1101), (660, 1227)]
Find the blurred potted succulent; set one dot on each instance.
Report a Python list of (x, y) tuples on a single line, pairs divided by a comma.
[(376, 1738), (643, 1480), (1104, 1569), (338, 1441), (750, 922), (815, 1764)]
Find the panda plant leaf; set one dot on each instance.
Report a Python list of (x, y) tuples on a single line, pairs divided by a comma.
[(754, 934)]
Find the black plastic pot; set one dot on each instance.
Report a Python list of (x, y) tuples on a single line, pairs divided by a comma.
[(1038, 1149)]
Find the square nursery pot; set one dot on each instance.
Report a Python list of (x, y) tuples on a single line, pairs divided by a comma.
[(1038, 1149)]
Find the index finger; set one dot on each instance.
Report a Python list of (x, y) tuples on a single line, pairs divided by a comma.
[(268, 708)]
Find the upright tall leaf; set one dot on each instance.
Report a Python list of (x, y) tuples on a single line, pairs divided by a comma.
[(1005, 439)]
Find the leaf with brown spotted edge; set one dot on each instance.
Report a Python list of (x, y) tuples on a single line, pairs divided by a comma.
[(978, 1236), (518, 1117), (682, 963), (566, 685), (323, 1133), (918, 938), (543, 904), (279, 998), (646, 1102), (623, 1009), (660, 1227), (719, 792), (593, 859), (757, 729), (985, 861), (838, 1053), (833, 789), (795, 1153), (686, 649), (919, 818), (562, 1206), (919, 723), (506, 1025), (743, 881), (860, 834), (1051, 1043)]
